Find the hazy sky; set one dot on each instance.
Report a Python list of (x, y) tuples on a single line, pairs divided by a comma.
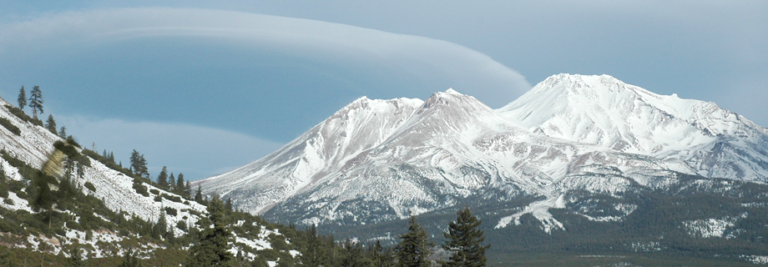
[(204, 88)]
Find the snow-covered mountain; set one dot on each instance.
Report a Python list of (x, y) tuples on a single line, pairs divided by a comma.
[(378, 160)]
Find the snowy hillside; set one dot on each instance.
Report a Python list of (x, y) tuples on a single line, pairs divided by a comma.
[(376, 160), (34, 144)]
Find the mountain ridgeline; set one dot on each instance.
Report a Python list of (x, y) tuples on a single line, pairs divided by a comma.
[(579, 163)]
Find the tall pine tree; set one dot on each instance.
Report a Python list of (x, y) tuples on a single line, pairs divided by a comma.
[(464, 240), (50, 124), (180, 185), (413, 249), (211, 248), (138, 164), (22, 98), (162, 178), (36, 101)]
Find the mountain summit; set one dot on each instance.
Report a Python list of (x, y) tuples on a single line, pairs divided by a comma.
[(377, 160)]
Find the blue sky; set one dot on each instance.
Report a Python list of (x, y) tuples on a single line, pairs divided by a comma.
[(204, 88)]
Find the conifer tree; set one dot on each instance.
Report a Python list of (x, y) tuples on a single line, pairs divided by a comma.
[(413, 249), (63, 132), (464, 240), (36, 101), (50, 124), (312, 253), (378, 257), (161, 227), (199, 195), (22, 98), (211, 248), (188, 189), (162, 178), (172, 183), (180, 188), (130, 260), (138, 164), (75, 258)]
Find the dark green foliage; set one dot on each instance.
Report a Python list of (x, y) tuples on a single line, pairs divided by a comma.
[(130, 260), (211, 249), (36, 101), (21, 115), (138, 164), (3, 183), (464, 238), (8, 125), (154, 191), (187, 188), (172, 183), (179, 188), (161, 227), (170, 211), (140, 188), (50, 124), (63, 132), (67, 149), (75, 258), (413, 249), (199, 195), (71, 141), (313, 252), (90, 186), (352, 255), (181, 225), (22, 98), (162, 178)]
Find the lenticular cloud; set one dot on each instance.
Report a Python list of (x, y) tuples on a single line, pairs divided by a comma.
[(417, 57)]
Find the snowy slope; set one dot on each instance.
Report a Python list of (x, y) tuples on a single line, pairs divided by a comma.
[(115, 189), (378, 160)]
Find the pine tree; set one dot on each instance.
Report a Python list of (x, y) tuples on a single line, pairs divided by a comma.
[(75, 258), (353, 255), (172, 183), (199, 195), (130, 260), (187, 189), (139, 164), (211, 249), (312, 253), (380, 258), (228, 205), (36, 101), (161, 227), (413, 249), (22, 98), (41, 194), (162, 178), (63, 132), (180, 188), (464, 240), (50, 124)]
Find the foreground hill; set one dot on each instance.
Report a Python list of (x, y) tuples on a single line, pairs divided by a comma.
[(575, 156)]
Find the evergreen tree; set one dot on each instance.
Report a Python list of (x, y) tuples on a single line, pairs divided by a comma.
[(464, 240), (312, 253), (41, 194), (228, 205), (22, 98), (50, 124), (130, 260), (378, 257), (63, 132), (211, 249), (36, 101), (352, 255), (413, 249), (180, 188), (75, 258), (161, 227), (139, 164), (187, 188), (162, 178), (199, 195), (172, 183)]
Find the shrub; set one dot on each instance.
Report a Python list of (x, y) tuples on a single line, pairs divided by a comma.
[(154, 191), (20, 114), (140, 188), (8, 125), (158, 198), (181, 225), (3, 189), (172, 198), (90, 186), (170, 211), (22, 194), (8, 201)]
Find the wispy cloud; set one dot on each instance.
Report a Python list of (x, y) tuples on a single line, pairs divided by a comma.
[(196, 151)]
